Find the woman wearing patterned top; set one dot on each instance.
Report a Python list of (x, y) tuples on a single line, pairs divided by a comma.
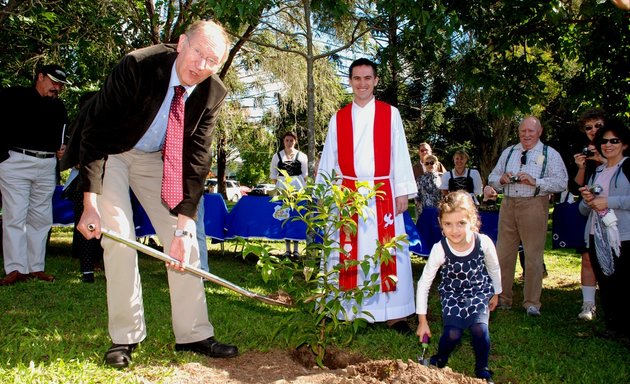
[(428, 185), (471, 282)]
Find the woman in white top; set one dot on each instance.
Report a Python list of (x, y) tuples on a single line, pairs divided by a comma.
[(295, 163), (462, 178)]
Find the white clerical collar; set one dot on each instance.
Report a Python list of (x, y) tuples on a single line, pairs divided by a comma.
[(368, 104)]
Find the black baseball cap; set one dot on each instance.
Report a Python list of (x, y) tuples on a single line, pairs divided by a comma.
[(55, 73)]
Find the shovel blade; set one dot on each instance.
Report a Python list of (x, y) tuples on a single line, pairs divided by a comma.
[(424, 361)]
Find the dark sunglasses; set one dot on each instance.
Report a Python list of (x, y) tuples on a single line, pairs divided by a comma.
[(429, 163), (614, 140), (589, 127), (524, 158)]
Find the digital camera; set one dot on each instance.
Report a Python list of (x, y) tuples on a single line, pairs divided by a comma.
[(595, 189), (587, 152), (514, 179)]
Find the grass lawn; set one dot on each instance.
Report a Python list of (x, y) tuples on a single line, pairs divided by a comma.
[(57, 332)]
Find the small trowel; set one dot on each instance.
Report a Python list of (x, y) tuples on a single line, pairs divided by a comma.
[(425, 344)]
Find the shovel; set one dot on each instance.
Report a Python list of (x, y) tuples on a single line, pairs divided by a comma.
[(425, 344), (283, 300)]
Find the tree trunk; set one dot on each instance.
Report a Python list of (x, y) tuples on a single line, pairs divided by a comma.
[(310, 90), (491, 150), (221, 136), (391, 92), (221, 163)]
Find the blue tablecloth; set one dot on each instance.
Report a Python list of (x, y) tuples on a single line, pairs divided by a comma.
[(215, 215), (415, 244), (428, 230), (489, 224), (214, 220), (259, 217), (430, 233), (63, 213)]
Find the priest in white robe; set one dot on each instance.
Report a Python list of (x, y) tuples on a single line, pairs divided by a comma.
[(366, 142)]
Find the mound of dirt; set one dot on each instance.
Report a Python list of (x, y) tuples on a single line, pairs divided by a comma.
[(279, 367)]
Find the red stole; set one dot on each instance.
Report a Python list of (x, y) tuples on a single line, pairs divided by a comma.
[(384, 200)]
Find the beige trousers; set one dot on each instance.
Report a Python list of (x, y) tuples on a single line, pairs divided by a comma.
[(522, 219), (143, 173)]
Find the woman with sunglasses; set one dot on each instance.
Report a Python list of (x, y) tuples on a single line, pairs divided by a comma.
[(587, 160), (606, 202), (428, 183)]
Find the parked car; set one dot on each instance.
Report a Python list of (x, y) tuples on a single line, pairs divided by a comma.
[(232, 189), (263, 189)]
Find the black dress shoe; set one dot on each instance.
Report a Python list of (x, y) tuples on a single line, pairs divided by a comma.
[(119, 355), (209, 347), (88, 277)]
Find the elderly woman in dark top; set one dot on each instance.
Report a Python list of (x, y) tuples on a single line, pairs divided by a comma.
[(606, 202)]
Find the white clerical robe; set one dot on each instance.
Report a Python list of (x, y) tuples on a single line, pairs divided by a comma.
[(399, 303)]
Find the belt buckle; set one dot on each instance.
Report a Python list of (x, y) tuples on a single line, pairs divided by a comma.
[(40, 155)]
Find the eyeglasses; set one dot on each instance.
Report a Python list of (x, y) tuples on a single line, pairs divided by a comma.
[(429, 163), (614, 140), (524, 158), (597, 126), (208, 61)]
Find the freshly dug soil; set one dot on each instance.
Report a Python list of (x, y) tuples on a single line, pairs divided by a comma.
[(279, 367)]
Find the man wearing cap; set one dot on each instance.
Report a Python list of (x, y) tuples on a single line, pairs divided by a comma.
[(28, 157)]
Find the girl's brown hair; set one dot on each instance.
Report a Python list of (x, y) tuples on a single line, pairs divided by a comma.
[(460, 201)]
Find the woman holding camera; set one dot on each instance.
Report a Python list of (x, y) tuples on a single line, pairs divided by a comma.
[(606, 202), (587, 160)]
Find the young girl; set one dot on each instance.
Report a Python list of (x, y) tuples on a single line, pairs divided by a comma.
[(471, 282)]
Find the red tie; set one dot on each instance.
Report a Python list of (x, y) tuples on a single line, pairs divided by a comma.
[(172, 180)]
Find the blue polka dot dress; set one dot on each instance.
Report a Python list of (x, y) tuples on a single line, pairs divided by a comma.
[(466, 287)]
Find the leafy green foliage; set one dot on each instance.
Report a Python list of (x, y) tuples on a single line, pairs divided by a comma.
[(327, 209), (468, 71)]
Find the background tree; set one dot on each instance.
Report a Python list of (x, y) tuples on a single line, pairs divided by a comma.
[(461, 73), (472, 70), (294, 27)]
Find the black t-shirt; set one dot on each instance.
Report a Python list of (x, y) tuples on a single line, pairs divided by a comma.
[(35, 122)]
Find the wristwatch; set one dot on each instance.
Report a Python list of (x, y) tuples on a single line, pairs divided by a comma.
[(181, 233)]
